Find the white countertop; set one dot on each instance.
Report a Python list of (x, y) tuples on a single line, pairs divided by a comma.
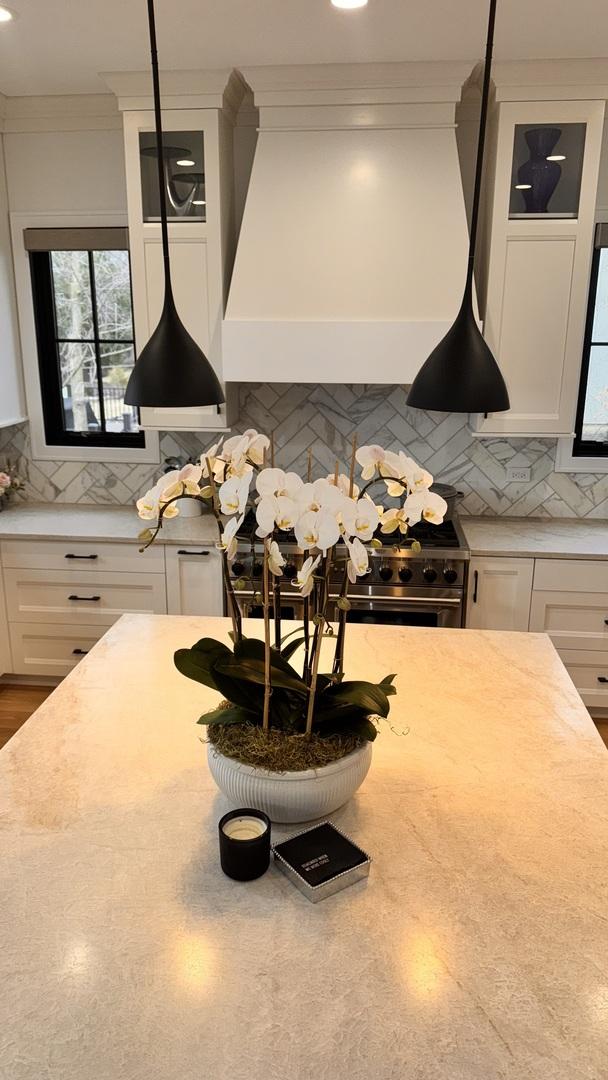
[(476, 950), (567, 538), (57, 521)]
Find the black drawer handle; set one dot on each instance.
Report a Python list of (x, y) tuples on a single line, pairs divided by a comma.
[(91, 599), (602, 678), (182, 551), (475, 585), (80, 652), (70, 556)]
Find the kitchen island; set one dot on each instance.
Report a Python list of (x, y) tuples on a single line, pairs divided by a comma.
[(476, 950)]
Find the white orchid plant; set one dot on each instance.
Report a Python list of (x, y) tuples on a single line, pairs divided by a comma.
[(335, 522)]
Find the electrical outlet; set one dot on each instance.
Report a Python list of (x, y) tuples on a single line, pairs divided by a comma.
[(518, 472)]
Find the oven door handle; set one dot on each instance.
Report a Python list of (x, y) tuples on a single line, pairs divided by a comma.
[(402, 601)]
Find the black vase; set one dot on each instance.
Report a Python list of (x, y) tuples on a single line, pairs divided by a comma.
[(542, 175)]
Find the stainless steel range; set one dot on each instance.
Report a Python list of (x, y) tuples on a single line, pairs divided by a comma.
[(405, 587)]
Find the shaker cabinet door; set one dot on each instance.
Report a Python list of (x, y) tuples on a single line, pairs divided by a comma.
[(194, 580), (499, 593)]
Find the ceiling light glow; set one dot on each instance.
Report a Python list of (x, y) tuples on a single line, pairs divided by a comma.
[(199, 202), (349, 5), (6, 15), (185, 162), (523, 187), (556, 157)]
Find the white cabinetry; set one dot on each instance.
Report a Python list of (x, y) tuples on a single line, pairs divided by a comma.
[(194, 580), (61, 597), (570, 603), (499, 593), (534, 269), (200, 109), (12, 406)]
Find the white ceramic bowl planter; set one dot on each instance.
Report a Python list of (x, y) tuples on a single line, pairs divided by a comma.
[(291, 796)]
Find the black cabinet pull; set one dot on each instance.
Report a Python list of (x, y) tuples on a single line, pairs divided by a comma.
[(182, 551), (92, 599), (70, 556), (475, 584), (605, 622), (80, 652), (602, 678)]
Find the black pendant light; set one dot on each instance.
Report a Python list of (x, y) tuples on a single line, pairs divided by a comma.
[(461, 375), (172, 371)]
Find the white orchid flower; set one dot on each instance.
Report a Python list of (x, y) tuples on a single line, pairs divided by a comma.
[(317, 529), (235, 447), (276, 562), (258, 444), (278, 482), (360, 518), (343, 484), (358, 563), (427, 505), (320, 495), (394, 519), (228, 541), (370, 458), (218, 465), (147, 505), (287, 512), (405, 468), (304, 578), (266, 512), (234, 493)]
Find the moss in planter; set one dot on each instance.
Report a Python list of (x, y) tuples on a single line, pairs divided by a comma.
[(278, 752)]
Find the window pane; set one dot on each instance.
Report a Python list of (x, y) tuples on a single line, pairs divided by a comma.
[(113, 294), (595, 418), (116, 366), (72, 289), (600, 314), (79, 394)]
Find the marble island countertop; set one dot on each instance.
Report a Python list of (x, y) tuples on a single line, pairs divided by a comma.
[(56, 521), (476, 950), (566, 538)]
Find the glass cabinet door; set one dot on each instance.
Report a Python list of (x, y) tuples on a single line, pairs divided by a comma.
[(183, 171), (546, 170)]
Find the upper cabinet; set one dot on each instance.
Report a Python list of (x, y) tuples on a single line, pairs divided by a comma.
[(12, 401), (199, 112), (535, 257)]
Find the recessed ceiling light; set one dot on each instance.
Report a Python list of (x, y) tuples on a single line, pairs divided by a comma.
[(523, 187), (556, 157), (199, 202), (6, 14), (185, 162), (349, 4)]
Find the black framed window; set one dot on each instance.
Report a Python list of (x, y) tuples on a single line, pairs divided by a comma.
[(591, 432), (86, 343)]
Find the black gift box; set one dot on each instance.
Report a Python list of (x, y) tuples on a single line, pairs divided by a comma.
[(321, 861)]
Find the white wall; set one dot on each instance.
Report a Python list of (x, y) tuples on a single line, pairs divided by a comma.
[(11, 389), (66, 170)]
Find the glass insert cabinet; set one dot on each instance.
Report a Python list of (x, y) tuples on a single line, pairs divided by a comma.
[(183, 172), (546, 170)]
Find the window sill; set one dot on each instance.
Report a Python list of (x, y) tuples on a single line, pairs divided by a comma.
[(130, 455), (566, 463)]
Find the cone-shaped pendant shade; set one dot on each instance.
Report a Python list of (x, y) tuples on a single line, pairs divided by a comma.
[(172, 372), (460, 375)]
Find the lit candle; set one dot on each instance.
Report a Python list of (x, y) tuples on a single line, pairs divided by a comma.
[(244, 844)]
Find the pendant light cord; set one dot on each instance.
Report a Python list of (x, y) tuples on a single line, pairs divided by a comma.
[(485, 97), (159, 145)]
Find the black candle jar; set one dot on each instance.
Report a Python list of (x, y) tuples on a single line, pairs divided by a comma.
[(244, 844)]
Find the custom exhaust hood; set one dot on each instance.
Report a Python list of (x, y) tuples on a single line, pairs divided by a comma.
[(350, 261)]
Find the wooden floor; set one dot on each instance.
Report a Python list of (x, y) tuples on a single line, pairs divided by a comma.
[(17, 703)]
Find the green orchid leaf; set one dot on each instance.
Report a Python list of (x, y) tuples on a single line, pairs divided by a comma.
[(387, 685), (234, 714), (197, 663), (288, 650), (367, 696)]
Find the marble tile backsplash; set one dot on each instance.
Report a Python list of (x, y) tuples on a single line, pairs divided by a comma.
[(325, 418)]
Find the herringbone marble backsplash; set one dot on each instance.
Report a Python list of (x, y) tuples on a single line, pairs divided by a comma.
[(325, 418)]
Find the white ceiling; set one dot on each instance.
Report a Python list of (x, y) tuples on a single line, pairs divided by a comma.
[(59, 46)]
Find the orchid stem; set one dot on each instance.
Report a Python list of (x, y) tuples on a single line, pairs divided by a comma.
[(267, 686)]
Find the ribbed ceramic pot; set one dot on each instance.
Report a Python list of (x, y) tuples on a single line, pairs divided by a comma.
[(291, 796)]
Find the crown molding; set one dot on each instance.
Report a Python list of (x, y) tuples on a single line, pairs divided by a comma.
[(223, 89), (548, 80), (61, 112)]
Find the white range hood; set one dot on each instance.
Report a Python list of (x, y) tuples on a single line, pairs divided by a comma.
[(352, 253)]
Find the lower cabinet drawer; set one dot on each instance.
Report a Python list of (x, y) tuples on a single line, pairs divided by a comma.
[(58, 596), (573, 620), (589, 673), (41, 649)]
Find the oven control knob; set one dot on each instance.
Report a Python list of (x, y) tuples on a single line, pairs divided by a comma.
[(257, 568), (290, 570), (386, 573), (429, 574), (450, 574), (405, 573), (238, 569)]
